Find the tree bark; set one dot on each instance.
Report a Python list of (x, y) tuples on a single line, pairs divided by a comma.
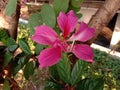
[(103, 16), (107, 33), (10, 23)]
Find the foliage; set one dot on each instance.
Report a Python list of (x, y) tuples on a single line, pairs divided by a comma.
[(74, 77), (6, 84), (91, 84), (77, 72), (58, 5), (105, 66), (34, 17), (22, 54), (8, 58), (47, 15), (11, 7), (3, 35)]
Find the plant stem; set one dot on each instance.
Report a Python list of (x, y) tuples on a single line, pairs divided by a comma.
[(67, 87)]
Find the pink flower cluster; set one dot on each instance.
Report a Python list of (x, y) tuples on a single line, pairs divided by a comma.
[(65, 42)]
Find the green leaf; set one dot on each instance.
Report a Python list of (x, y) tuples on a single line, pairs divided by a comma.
[(76, 3), (79, 15), (7, 58), (24, 46), (18, 64), (50, 85), (6, 85), (75, 9), (60, 6), (64, 70), (3, 34), (34, 21), (53, 71), (16, 68), (91, 84), (12, 46), (39, 48), (28, 70), (11, 7), (48, 15), (77, 72)]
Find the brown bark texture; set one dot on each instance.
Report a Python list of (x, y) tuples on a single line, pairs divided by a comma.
[(107, 33), (103, 16), (10, 23)]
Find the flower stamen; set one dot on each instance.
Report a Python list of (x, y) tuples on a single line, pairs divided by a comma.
[(72, 45)]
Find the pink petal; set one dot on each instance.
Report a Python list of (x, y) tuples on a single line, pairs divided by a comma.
[(49, 57), (72, 20), (83, 52), (45, 35), (67, 22), (83, 34)]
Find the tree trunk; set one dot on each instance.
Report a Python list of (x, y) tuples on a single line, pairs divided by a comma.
[(107, 33), (103, 16), (9, 23)]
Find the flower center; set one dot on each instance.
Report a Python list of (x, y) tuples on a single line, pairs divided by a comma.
[(64, 45)]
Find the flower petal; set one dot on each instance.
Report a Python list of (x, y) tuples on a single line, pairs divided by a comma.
[(67, 22), (62, 21), (45, 35), (83, 34), (72, 20), (49, 57), (83, 52)]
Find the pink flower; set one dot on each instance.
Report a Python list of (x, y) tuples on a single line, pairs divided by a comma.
[(64, 43)]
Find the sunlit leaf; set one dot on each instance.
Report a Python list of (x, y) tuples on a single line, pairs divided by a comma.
[(48, 15), (11, 7), (60, 5), (34, 21), (76, 3), (24, 46), (75, 9)]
